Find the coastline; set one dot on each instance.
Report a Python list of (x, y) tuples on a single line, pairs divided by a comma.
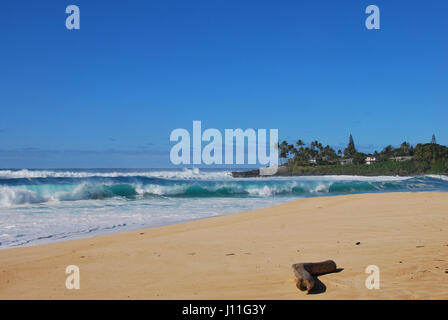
[(248, 255), (287, 171)]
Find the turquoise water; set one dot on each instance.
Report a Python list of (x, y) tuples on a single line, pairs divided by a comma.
[(39, 206)]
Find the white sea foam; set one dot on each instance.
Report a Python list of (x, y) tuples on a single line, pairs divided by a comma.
[(16, 196), (180, 174), (164, 174), (438, 176), (64, 220)]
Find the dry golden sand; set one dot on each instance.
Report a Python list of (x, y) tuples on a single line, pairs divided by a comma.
[(249, 255)]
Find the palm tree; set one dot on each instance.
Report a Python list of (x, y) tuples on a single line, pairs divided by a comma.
[(283, 150), (405, 148), (291, 150)]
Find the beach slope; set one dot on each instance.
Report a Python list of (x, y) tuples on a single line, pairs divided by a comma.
[(249, 255)]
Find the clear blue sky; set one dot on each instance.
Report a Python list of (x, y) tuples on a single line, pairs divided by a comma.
[(109, 94)]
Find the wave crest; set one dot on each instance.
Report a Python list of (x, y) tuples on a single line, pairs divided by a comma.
[(10, 197), (163, 174), (40, 193)]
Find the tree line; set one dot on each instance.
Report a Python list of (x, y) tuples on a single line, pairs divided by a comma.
[(425, 157)]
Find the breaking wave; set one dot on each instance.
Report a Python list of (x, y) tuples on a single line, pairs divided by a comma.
[(19, 191), (163, 174), (41, 206)]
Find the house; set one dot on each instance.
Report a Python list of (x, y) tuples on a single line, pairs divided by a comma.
[(346, 161), (370, 160), (403, 158)]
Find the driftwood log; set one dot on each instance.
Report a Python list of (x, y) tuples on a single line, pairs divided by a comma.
[(304, 272)]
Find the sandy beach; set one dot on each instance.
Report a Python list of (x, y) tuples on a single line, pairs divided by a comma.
[(249, 255)]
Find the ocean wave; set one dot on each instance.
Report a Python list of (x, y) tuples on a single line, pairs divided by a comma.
[(10, 197), (13, 196), (185, 174), (163, 174), (41, 193), (437, 176)]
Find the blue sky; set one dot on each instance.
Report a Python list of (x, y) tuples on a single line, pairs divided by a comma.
[(109, 94)]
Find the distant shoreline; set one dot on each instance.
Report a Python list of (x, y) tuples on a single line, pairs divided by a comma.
[(394, 169)]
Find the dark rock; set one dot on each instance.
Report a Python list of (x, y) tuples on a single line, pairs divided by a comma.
[(246, 174)]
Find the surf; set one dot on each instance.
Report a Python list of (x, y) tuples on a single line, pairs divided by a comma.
[(41, 206), (64, 186)]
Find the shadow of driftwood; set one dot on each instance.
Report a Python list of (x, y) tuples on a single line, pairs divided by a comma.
[(319, 286)]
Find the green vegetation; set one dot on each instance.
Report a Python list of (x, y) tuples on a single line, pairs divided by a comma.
[(381, 168), (350, 151), (315, 159)]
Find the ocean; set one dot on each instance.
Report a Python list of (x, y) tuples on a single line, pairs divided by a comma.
[(42, 206)]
